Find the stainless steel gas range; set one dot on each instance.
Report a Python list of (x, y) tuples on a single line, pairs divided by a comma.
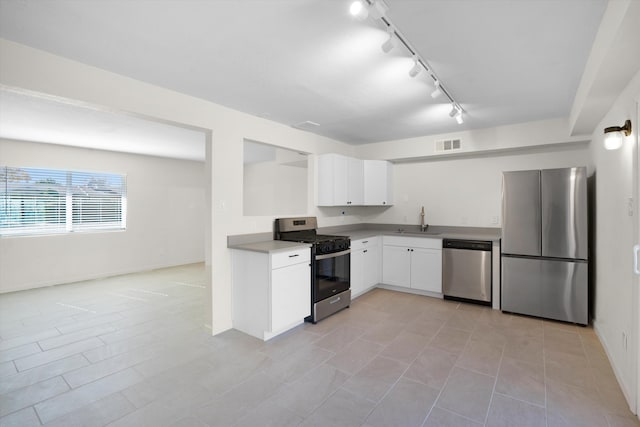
[(330, 265)]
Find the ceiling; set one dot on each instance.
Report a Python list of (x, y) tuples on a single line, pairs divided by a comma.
[(61, 122), (291, 61)]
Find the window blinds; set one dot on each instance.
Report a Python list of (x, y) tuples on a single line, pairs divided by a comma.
[(40, 201)]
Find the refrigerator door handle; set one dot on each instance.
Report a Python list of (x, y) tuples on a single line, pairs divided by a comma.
[(636, 252)]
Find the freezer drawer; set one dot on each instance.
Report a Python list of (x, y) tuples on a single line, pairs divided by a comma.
[(552, 289)]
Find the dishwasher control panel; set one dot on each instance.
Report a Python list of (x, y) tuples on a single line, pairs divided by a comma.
[(474, 245)]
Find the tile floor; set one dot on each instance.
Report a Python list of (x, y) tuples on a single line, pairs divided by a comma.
[(131, 351)]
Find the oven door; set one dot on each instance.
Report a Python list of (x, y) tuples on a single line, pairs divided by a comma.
[(333, 274)]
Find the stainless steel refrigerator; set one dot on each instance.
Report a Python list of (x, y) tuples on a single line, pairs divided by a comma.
[(545, 244)]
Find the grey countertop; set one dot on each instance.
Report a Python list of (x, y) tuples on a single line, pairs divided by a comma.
[(363, 234), (434, 232), (269, 246), (262, 242)]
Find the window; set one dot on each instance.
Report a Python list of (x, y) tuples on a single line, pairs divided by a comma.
[(42, 201)]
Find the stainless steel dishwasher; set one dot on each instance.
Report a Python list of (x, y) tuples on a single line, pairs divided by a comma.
[(466, 270)]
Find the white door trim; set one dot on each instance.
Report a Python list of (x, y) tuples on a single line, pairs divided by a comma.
[(636, 278)]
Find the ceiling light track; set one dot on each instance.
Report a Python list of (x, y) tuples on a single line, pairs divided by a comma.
[(376, 9)]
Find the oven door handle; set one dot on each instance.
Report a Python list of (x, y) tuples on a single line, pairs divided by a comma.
[(334, 255)]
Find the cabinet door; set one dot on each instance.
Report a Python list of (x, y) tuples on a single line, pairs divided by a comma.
[(377, 183), (324, 178), (340, 177), (355, 182), (426, 269), (396, 266), (357, 272), (332, 180), (290, 295), (372, 266)]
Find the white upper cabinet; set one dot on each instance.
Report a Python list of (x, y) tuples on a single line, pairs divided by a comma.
[(328, 189), (345, 181), (355, 181), (378, 183)]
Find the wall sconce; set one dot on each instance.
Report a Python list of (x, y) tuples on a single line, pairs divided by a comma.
[(614, 135)]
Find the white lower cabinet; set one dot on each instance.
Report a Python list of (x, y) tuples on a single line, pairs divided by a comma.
[(290, 295), (365, 265), (412, 262), (271, 291), (426, 269), (396, 266)]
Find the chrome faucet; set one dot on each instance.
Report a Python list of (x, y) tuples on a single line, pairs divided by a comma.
[(423, 226)]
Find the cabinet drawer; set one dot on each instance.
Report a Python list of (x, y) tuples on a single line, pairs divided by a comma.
[(283, 259), (364, 243), (413, 242)]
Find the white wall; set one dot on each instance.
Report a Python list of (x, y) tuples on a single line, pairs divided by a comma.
[(615, 291), (272, 188), (465, 191), (165, 219)]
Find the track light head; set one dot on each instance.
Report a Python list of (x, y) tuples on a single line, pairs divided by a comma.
[(391, 41), (359, 10), (436, 92), (454, 110), (378, 9), (417, 67)]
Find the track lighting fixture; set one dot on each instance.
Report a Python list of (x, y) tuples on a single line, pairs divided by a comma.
[(417, 67), (456, 112), (437, 91), (614, 135), (376, 10), (391, 41), (359, 10)]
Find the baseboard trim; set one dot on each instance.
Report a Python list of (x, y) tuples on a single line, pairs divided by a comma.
[(627, 393)]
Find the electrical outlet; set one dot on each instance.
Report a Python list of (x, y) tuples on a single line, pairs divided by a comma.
[(464, 220), (494, 220), (624, 341), (630, 206), (404, 219)]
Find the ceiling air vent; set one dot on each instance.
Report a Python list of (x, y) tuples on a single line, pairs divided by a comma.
[(445, 145), (308, 125)]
